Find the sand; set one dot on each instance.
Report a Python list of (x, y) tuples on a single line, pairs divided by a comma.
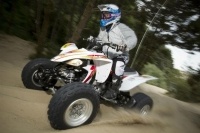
[(25, 111)]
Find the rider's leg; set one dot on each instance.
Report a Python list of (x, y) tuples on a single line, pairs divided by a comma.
[(118, 71)]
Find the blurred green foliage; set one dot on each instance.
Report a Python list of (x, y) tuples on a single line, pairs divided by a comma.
[(151, 69)]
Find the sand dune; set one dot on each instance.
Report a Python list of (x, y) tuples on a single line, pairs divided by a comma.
[(23, 110)]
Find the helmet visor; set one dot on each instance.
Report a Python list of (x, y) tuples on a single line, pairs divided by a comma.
[(106, 15)]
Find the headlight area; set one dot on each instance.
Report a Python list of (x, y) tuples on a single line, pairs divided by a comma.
[(75, 62)]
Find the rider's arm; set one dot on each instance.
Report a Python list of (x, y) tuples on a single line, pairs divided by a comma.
[(129, 36), (102, 35)]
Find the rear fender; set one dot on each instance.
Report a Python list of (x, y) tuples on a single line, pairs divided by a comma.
[(130, 82)]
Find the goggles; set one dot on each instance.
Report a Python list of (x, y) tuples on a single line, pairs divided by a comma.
[(106, 15)]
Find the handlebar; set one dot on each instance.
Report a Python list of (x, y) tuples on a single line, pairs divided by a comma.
[(98, 43), (114, 46)]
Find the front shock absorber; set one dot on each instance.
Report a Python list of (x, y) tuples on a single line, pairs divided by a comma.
[(71, 76)]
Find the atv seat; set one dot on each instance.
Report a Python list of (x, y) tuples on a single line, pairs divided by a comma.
[(130, 71)]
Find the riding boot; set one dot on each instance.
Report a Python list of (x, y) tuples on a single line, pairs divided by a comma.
[(114, 90)]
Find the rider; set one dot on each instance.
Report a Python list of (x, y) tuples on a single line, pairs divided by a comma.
[(112, 31)]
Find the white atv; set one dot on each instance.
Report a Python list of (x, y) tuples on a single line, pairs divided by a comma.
[(86, 75)]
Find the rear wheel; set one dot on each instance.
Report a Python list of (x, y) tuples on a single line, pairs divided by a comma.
[(143, 103), (73, 105)]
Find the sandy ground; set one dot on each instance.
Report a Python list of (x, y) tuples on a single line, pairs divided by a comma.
[(25, 111)]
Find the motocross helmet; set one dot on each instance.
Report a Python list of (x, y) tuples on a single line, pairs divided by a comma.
[(110, 14)]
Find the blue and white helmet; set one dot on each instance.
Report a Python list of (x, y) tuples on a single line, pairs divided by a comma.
[(110, 14)]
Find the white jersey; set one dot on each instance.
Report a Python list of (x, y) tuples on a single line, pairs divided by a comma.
[(119, 34)]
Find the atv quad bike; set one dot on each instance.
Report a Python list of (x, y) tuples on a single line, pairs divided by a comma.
[(86, 76)]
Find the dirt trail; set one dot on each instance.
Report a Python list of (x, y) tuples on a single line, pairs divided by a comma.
[(23, 110)]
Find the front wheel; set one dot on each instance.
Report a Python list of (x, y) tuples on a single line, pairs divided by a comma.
[(33, 73), (143, 103), (73, 105)]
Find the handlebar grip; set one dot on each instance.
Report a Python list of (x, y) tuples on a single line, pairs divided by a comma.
[(113, 46)]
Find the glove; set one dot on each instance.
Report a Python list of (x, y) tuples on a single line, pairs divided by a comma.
[(121, 48), (92, 42), (116, 47), (90, 38), (96, 48)]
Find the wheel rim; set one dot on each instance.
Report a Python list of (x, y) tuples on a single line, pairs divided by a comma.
[(78, 112), (145, 110), (35, 78)]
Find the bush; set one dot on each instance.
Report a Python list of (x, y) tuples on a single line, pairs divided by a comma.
[(194, 83), (153, 70)]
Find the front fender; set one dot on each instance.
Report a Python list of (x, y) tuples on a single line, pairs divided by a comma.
[(103, 69)]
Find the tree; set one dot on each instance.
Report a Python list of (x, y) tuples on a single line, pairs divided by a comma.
[(16, 18), (43, 23), (55, 26), (178, 22), (83, 21)]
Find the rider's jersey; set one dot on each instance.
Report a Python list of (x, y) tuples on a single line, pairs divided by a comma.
[(119, 34)]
